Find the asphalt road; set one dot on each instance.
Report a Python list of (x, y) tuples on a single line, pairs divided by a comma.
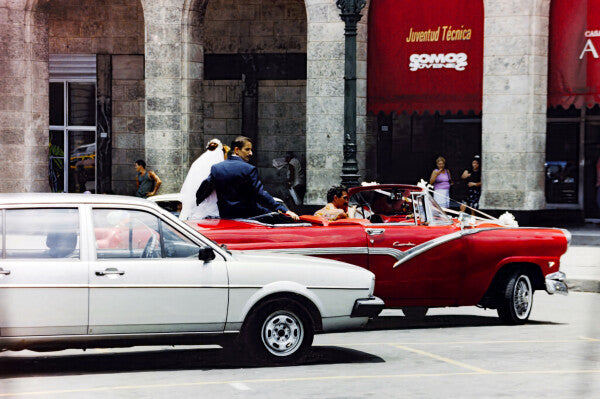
[(453, 353)]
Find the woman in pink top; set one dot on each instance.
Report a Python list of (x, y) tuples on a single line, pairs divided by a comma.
[(441, 180)]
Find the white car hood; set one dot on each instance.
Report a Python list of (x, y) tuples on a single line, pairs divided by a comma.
[(310, 270)]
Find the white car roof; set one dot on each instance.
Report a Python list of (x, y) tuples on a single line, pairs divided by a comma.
[(166, 197), (70, 198)]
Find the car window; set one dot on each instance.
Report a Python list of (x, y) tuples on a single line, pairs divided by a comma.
[(41, 233), (176, 245), (128, 233)]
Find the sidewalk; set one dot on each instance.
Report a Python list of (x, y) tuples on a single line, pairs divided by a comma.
[(581, 263)]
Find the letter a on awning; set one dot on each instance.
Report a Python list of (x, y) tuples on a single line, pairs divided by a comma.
[(574, 59)]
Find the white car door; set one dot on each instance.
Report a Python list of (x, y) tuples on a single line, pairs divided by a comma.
[(147, 278), (43, 279)]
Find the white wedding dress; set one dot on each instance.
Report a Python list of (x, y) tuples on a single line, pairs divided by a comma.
[(198, 172)]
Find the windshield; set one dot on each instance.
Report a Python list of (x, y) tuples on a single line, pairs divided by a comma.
[(384, 205), (437, 216)]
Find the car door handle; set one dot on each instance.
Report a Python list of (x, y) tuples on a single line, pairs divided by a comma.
[(375, 232), (403, 244), (109, 271), (5, 272)]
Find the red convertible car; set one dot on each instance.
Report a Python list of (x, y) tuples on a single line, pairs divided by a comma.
[(421, 257)]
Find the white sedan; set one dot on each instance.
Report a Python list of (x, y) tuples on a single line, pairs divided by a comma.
[(81, 271)]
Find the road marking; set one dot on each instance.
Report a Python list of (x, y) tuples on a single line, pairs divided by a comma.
[(300, 379), (443, 359), (240, 386), (590, 339)]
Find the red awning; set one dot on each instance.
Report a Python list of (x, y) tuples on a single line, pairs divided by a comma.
[(425, 55), (574, 59)]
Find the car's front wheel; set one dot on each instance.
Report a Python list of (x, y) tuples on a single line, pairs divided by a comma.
[(278, 331), (516, 299)]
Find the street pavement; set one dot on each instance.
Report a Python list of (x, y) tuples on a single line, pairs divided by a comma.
[(453, 353), (581, 263)]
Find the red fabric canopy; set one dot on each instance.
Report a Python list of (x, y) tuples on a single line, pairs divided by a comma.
[(574, 59), (425, 55)]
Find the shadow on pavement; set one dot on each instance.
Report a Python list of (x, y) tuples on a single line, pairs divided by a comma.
[(56, 363), (446, 321)]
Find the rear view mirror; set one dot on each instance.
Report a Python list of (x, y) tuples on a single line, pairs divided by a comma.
[(206, 254)]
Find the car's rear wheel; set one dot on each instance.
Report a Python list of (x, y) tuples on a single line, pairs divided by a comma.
[(415, 313), (278, 331), (516, 299)]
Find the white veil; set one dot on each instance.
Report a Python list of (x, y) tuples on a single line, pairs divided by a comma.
[(198, 172)]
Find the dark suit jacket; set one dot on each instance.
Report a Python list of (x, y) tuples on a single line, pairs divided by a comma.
[(240, 194)]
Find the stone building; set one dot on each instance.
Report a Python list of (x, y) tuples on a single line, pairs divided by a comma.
[(89, 86)]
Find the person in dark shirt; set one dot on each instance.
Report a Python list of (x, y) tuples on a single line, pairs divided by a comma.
[(147, 182), (240, 193), (472, 176)]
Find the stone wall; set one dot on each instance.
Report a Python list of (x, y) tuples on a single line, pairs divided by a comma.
[(514, 104), (128, 96), (222, 109), (257, 26), (166, 140), (325, 97), (23, 98), (96, 27), (110, 27), (282, 127)]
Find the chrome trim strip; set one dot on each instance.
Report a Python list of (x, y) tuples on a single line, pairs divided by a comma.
[(27, 340), (158, 286), (338, 288), (426, 246), (394, 253), (321, 251), (43, 286)]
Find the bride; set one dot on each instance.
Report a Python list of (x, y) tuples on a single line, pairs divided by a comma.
[(199, 171)]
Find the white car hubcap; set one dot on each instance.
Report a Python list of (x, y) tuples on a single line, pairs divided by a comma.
[(282, 333), (522, 297)]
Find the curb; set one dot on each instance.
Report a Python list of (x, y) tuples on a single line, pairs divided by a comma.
[(583, 285), (586, 240)]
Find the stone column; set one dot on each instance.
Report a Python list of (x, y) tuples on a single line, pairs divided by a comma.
[(23, 98), (166, 142), (192, 72), (514, 104), (325, 98)]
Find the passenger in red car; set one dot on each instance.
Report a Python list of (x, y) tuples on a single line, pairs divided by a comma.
[(337, 204)]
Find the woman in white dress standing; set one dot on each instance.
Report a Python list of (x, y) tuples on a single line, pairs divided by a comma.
[(199, 171)]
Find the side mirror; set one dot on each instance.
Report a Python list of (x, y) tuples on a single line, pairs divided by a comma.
[(206, 254)]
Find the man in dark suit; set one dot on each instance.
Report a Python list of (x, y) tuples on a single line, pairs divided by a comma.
[(240, 193)]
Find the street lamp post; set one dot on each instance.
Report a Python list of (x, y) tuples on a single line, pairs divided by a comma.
[(350, 14)]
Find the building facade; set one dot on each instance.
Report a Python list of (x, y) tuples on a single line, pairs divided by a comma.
[(88, 87)]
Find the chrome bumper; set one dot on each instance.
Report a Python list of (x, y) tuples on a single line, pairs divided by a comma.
[(367, 307), (555, 284)]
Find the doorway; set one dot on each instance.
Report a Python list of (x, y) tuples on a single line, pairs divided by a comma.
[(591, 163), (72, 166)]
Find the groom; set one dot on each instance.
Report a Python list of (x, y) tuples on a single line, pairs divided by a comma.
[(240, 194)]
